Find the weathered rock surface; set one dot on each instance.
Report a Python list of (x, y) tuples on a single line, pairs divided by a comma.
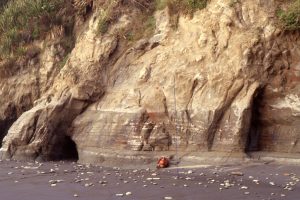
[(23, 82), (225, 80)]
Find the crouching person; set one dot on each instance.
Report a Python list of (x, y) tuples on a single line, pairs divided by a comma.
[(163, 162)]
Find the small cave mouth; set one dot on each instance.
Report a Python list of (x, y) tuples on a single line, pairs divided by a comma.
[(255, 123), (7, 123), (4, 127), (64, 149), (69, 150)]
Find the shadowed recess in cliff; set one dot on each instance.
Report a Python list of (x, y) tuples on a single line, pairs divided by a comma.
[(254, 132), (4, 126), (7, 122), (63, 148)]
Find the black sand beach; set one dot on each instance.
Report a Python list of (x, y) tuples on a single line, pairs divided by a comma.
[(69, 180)]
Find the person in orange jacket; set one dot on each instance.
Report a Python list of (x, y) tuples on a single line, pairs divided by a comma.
[(163, 162)]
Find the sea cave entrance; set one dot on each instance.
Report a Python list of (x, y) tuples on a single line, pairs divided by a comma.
[(63, 148), (253, 143)]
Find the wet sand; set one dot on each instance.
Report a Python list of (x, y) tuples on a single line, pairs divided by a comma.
[(67, 180)]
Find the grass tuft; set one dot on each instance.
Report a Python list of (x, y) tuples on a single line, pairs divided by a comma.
[(177, 7), (107, 16), (290, 18), (186, 6)]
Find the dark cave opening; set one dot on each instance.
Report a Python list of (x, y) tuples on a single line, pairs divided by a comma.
[(69, 150), (7, 122), (63, 148), (255, 124), (4, 126)]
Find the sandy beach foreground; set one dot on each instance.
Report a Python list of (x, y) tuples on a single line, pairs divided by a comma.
[(70, 180)]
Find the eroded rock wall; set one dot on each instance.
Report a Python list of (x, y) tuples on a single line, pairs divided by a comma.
[(225, 80), (25, 81), (278, 108)]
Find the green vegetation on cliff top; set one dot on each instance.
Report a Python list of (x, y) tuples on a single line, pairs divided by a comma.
[(187, 6), (290, 17), (109, 10), (23, 21)]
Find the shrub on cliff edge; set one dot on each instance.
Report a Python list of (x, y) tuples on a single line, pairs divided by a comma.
[(290, 18), (177, 7), (23, 21), (183, 6)]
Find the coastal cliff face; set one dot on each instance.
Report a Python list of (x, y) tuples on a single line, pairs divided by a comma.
[(225, 79)]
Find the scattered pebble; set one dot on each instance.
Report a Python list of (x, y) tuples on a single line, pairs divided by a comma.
[(88, 184), (128, 193), (244, 188), (237, 173)]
